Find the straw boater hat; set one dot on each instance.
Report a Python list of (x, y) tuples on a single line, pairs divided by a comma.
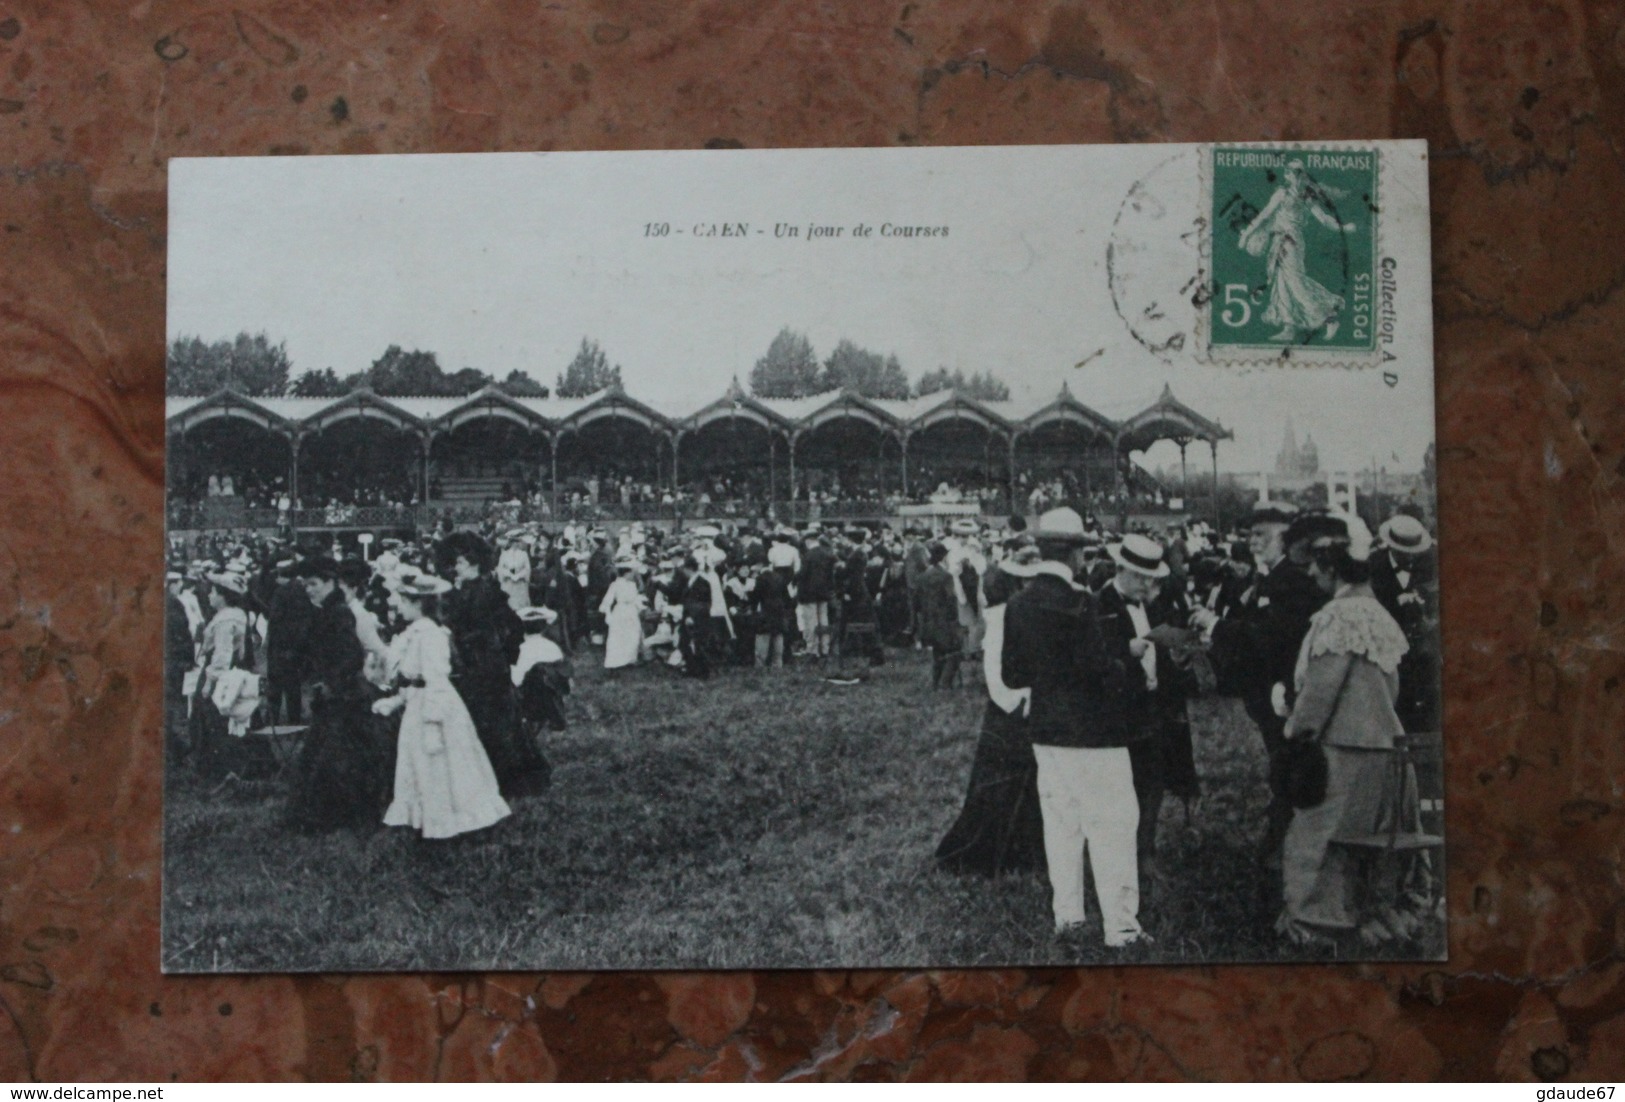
[(1141, 554), (1405, 534), (964, 526)]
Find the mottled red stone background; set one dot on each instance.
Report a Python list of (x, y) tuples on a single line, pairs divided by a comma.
[(1525, 106)]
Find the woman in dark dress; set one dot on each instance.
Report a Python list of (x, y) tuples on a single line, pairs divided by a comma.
[(339, 779), (891, 582), (999, 829), (1175, 686), (860, 635), (486, 635)]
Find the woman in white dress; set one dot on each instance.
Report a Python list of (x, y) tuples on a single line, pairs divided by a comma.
[(622, 607), (513, 572), (444, 785)]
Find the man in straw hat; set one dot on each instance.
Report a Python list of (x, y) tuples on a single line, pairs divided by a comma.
[(1053, 646), (1133, 623), (1404, 578)]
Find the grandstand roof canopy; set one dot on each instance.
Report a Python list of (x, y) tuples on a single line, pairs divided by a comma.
[(1166, 418)]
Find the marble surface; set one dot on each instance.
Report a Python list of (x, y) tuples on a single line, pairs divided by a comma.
[(1524, 103)]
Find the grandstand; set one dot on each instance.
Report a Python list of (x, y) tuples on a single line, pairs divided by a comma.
[(365, 460)]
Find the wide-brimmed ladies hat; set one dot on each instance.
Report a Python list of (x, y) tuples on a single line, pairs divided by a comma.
[(1063, 524), (232, 580), (1272, 512), (1141, 554), (1405, 534), (1022, 562), (418, 585), (1331, 529)]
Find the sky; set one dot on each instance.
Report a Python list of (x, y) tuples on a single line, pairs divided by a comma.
[(506, 261)]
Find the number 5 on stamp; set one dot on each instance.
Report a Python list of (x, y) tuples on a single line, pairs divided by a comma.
[(1292, 250)]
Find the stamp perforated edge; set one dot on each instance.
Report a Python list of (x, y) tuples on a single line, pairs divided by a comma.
[(1282, 355)]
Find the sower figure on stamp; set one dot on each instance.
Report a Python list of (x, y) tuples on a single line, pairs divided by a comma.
[(1053, 646), (1256, 649), (1297, 302)]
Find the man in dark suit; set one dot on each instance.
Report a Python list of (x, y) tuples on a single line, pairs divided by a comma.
[(289, 617), (1255, 650), (815, 588), (859, 632), (695, 637), (775, 611), (1405, 580), (180, 655), (550, 588), (1080, 731), (1134, 625), (600, 572), (937, 619)]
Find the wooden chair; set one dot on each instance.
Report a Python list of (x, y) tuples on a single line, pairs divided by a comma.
[(1416, 758)]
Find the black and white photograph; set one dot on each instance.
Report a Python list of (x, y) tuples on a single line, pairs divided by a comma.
[(862, 558)]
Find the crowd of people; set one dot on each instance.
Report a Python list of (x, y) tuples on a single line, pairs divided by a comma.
[(425, 674), (1091, 653), (608, 493)]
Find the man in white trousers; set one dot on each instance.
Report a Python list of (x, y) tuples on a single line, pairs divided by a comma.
[(1080, 732)]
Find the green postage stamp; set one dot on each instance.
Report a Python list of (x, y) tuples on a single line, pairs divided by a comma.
[(1293, 250)]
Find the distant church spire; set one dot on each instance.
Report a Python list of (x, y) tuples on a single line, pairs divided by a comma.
[(1293, 460)]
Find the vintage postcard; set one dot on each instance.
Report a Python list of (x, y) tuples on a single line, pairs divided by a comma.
[(802, 559)]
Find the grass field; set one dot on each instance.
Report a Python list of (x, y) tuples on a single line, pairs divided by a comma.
[(763, 819)]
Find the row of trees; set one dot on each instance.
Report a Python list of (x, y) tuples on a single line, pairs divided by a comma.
[(791, 369), (252, 365)]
